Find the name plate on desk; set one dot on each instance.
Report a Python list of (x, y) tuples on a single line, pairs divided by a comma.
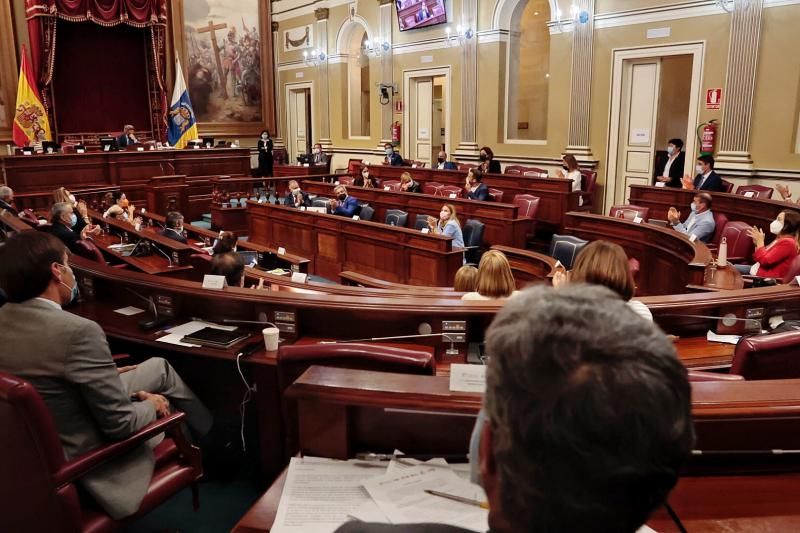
[(692, 237), (426, 230), (467, 378), (214, 282), (281, 250), (356, 217), (453, 195), (80, 151), (299, 277), (637, 220), (661, 184), (140, 148), (749, 194)]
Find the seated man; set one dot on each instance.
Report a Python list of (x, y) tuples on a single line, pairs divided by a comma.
[(586, 421), (475, 188), (66, 357), (128, 136), (318, 157), (230, 265), (706, 179), (700, 222), (62, 220), (296, 197), (173, 227), (7, 200), (392, 157), (442, 162), (343, 204)]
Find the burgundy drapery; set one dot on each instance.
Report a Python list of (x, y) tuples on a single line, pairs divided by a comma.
[(42, 16)]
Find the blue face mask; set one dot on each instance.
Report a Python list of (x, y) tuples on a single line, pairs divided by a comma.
[(73, 220), (475, 447), (389, 152), (693, 207), (73, 290)]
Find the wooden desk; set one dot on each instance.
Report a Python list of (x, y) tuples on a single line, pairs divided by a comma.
[(130, 171), (338, 243), (154, 263), (502, 223), (292, 171)]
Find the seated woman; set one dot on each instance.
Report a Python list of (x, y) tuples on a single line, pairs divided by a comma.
[(488, 163), (572, 171), (495, 279), (225, 243), (365, 180), (466, 279), (605, 263), (775, 259), (120, 209), (448, 225), (407, 183)]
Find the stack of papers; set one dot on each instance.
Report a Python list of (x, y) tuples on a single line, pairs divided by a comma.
[(322, 494), (174, 335)]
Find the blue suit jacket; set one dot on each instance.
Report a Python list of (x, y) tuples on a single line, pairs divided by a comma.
[(396, 160), (713, 183), (448, 165), (481, 193), (347, 208)]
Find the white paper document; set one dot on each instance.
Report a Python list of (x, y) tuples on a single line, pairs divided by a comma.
[(320, 494), (402, 498), (196, 325), (727, 339), (467, 378), (128, 311), (175, 338)]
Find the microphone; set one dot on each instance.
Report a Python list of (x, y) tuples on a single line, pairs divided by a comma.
[(148, 324), (162, 253), (447, 336), (728, 320)]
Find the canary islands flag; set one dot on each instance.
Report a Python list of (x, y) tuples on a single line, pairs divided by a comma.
[(182, 122), (30, 118)]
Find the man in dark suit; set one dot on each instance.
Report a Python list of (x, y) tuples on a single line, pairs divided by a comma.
[(475, 188), (536, 447), (128, 136), (62, 220), (670, 170), (296, 197), (344, 204), (392, 157), (442, 162), (318, 157), (174, 227), (706, 179), (7, 200), (67, 359)]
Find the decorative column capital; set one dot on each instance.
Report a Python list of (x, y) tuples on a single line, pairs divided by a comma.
[(321, 13), (274, 26)]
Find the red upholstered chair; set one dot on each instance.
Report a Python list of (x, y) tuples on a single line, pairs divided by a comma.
[(513, 170), (758, 191), (527, 205), (432, 187), (794, 271), (588, 186), (29, 217), (448, 190), (393, 185), (89, 250), (728, 186), (740, 245), (466, 166), (346, 180), (295, 359), (201, 265), (534, 172), (629, 212), (720, 222), (43, 495), (768, 356), (700, 375), (496, 195), (413, 163)]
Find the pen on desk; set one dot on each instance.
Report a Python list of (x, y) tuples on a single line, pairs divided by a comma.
[(468, 501), (450, 458)]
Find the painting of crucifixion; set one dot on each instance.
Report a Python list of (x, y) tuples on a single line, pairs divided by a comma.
[(223, 46)]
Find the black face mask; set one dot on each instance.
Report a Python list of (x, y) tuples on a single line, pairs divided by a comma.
[(441, 160), (483, 157), (342, 197)]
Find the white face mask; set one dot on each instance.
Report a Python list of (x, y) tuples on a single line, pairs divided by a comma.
[(699, 169), (317, 150), (670, 150), (775, 227), (444, 215)]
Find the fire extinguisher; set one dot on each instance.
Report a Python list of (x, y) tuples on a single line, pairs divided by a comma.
[(707, 136), (396, 133)]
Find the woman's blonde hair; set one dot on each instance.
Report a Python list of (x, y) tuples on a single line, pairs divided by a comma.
[(404, 177), (453, 216), (466, 279), (495, 279), (61, 195), (604, 263)]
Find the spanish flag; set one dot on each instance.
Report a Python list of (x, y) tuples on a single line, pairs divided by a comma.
[(30, 118), (182, 123)]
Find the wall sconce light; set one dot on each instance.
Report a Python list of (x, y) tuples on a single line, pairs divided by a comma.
[(314, 58), (726, 5), (377, 47), (576, 16), (460, 37)]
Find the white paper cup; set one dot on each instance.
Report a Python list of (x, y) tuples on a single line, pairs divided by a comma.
[(271, 336)]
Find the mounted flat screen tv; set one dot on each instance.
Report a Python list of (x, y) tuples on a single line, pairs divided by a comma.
[(412, 14)]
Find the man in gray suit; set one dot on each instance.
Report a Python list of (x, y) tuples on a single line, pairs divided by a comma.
[(67, 359), (586, 420)]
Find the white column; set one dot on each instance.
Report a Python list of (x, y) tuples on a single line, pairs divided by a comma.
[(581, 83), (737, 99), (323, 106), (469, 82), (385, 25), (280, 125)]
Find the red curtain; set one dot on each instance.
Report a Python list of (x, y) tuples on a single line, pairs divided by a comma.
[(42, 16)]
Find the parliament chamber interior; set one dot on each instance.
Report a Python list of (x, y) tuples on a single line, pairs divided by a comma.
[(411, 265)]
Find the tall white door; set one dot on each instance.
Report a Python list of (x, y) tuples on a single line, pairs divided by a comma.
[(421, 123), (299, 112), (637, 126)]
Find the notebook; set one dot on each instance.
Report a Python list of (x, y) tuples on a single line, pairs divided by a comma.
[(217, 338)]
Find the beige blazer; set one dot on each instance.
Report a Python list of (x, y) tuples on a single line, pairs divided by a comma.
[(67, 359)]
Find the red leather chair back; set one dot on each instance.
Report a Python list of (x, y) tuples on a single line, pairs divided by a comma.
[(794, 271), (588, 186), (740, 245), (28, 216), (346, 180), (514, 170), (89, 250), (353, 166), (31, 457), (535, 172), (527, 205), (759, 191), (414, 163), (520, 170), (448, 190), (727, 185), (720, 222), (466, 166), (496, 195), (432, 187), (394, 185), (629, 212), (768, 356)]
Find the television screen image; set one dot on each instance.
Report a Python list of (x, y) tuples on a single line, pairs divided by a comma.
[(412, 14)]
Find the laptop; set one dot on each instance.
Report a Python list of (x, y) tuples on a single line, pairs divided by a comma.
[(250, 257)]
